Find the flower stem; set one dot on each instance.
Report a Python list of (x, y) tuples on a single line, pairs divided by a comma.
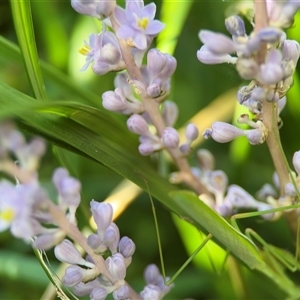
[(152, 108), (269, 112)]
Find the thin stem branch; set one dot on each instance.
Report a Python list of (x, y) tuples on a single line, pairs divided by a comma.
[(269, 112), (152, 108)]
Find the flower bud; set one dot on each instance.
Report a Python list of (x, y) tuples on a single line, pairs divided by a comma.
[(258, 94), (73, 276), (151, 274), (185, 148), (247, 68), (58, 175), (122, 293), (154, 89), (137, 124), (170, 112), (210, 58), (291, 50), (289, 190), (102, 214), (151, 292), (296, 161), (270, 73), (205, 159), (99, 9), (191, 132), (48, 240), (98, 294), (116, 266), (83, 289), (255, 136), (170, 137), (235, 26), (114, 101), (126, 247), (112, 237), (239, 198), (67, 253), (270, 35), (216, 42), (146, 149), (223, 132), (94, 241), (218, 181)]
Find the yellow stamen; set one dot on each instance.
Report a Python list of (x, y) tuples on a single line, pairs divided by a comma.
[(84, 50), (143, 23), (7, 215)]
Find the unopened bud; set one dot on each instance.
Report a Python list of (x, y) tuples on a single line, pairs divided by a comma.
[(116, 266), (216, 42), (191, 132), (114, 101), (137, 124), (296, 161), (210, 58), (223, 132), (235, 26), (170, 137), (102, 214)]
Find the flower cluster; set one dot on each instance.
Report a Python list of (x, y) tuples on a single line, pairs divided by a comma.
[(88, 280), (25, 208), (227, 200), (270, 77)]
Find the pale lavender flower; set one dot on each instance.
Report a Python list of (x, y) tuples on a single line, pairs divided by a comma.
[(116, 266), (98, 294), (296, 161), (102, 214), (126, 247), (137, 24), (169, 112), (112, 237), (103, 51), (170, 137), (95, 8), (208, 57), (137, 124), (160, 67), (235, 26), (217, 43), (83, 289), (116, 101), (122, 293), (223, 132), (73, 276), (67, 253)]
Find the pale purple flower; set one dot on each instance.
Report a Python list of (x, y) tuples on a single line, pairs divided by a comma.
[(217, 43), (103, 51), (137, 23), (170, 137), (94, 8), (116, 266), (208, 57)]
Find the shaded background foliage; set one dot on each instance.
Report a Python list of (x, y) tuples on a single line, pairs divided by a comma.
[(59, 34)]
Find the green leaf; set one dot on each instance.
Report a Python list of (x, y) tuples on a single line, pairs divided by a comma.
[(12, 53), (24, 28), (199, 214)]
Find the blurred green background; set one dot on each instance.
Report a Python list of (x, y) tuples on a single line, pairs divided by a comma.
[(60, 32)]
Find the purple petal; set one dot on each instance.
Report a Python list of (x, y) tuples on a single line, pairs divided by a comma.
[(154, 27), (120, 15), (149, 11)]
